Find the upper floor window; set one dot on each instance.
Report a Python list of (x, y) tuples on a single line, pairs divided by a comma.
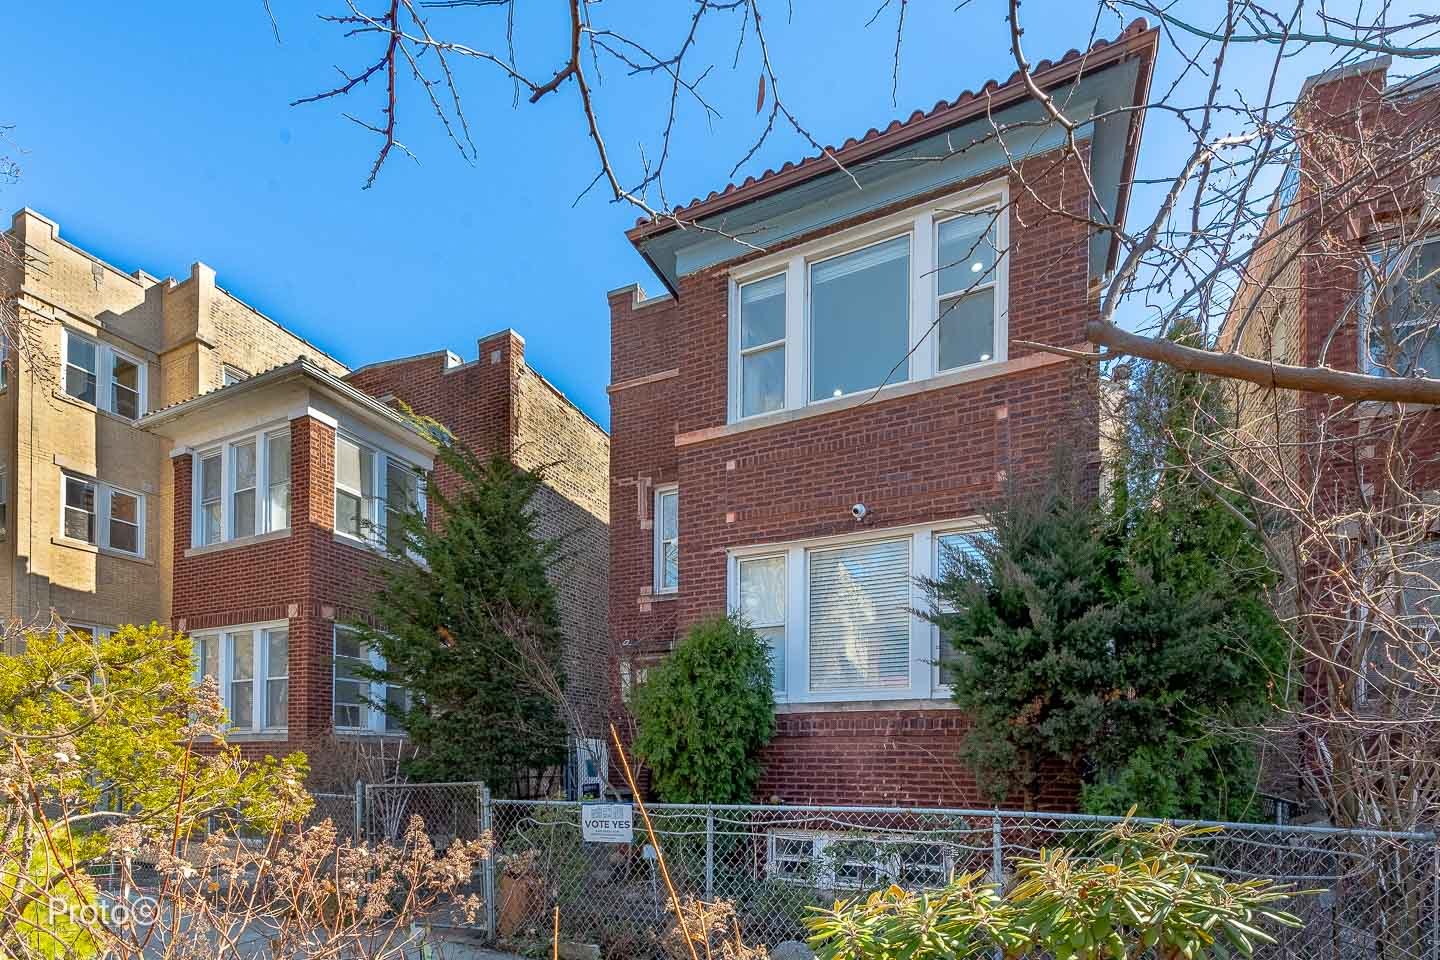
[(101, 514), (762, 346), (242, 487), (1401, 337), (250, 666), (103, 375), (356, 698), (901, 299), (667, 539), (361, 511), (232, 375)]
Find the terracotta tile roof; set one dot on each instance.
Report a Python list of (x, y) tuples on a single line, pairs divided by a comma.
[(1137, 37)]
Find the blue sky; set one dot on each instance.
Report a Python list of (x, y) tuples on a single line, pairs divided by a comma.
[(162, 139)]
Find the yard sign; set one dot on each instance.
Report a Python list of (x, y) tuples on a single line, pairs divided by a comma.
[(607, 823)]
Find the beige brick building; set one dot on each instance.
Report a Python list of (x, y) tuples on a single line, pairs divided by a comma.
[(88, 467), (104, 347)]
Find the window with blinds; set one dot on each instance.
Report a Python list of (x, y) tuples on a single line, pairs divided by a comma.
[(860, 616)]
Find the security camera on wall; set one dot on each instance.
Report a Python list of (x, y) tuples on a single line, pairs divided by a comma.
[(858, 512)]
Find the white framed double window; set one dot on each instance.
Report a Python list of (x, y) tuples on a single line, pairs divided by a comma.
[(104, 375), (372, 488), (250, 665), (907, 297), (666, 561), (1400, 321), (101, 514), (860, 861), (355, 697), (241, 487), (840, 613)]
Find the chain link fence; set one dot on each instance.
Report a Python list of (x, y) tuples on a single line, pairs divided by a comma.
[(1380, 896)]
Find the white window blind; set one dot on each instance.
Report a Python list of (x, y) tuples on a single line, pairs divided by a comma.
[(860, 616)]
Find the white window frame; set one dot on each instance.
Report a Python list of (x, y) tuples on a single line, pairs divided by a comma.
[(924, 673), (657, 550), (822, 876), (105, 354), (990, 281), (104, 492), (230, 375), (226, 450), (374, 717), (970, 527), (784, 624), (1378, 255), (740, 352), (920, 223), (259, 698), (373, 537)]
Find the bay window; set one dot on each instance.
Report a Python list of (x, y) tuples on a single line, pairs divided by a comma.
[(361, 471), (354, 488), (100, 374), (250, 666), (356, 698), (102, 515), (242, 488), (402, 495), (906, 298), (1400, 329), (840, 613)]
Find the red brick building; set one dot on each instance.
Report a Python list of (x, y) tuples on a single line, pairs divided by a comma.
[(1346, 276), (284, 483), (801, 431)]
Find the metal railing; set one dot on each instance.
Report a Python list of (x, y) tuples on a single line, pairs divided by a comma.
[(1379, 899)]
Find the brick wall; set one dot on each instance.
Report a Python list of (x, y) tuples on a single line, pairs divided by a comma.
[(918, 458), (306, 577), (497, 404)]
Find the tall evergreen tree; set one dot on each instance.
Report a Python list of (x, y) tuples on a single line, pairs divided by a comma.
[(1130, 639), (445, 621)]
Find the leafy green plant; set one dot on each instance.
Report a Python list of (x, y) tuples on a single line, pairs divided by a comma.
[(100, 737), (704, 713), (1135, 889)]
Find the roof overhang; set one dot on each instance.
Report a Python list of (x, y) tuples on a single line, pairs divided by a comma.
[(297, 389), (953, 143)]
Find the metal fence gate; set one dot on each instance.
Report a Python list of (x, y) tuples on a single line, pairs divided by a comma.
[(1381, 898)]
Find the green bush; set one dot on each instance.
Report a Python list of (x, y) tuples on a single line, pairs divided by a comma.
[(704, 713), (1135, 892)]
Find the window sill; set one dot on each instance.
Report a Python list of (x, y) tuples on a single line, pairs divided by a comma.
[(859, 706), (84, 547), (820, 408), (256, 736), (62, 395), (358, 732), (367, 545), (237, 543)]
